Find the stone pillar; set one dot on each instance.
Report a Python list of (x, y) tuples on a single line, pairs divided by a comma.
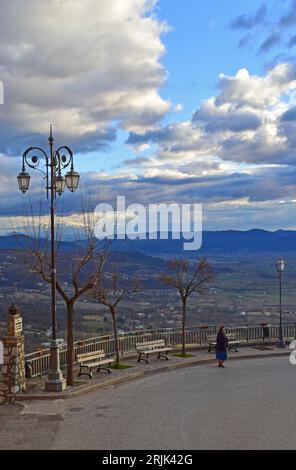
[(13, 379)]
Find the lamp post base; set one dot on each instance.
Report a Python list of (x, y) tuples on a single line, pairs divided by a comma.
[(55, 381), (55, 385), (281, 344)]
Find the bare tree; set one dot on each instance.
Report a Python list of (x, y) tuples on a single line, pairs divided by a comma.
[(187, 279), (83, 267), (111, 298)]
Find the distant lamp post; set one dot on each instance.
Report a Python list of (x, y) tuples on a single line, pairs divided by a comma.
[(55, 162), (280, 266)]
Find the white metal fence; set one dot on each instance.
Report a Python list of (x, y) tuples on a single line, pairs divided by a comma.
[(1, 353), (38, 361)]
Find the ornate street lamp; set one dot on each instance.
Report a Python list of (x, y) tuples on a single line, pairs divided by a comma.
[(55, 163), (280, 267), (72, 180), (60, 184), (23, 180)]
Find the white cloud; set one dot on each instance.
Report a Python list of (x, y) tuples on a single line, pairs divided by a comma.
[(254, 91), (92, 66), (242, 123), (81, 64), (179, 107)]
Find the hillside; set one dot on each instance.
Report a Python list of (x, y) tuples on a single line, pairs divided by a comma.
[(219, 242)]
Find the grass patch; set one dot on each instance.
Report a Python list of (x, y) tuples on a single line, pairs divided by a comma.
[(120, 366), (183, 355)]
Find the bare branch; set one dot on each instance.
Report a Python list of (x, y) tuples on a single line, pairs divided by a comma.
[(187, 280)]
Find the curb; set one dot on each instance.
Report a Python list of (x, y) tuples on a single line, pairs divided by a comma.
[(84, 389)]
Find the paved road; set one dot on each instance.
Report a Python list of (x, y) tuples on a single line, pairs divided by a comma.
[(248, 405)]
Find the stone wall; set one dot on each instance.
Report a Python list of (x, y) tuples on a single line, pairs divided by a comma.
[(13, 378)]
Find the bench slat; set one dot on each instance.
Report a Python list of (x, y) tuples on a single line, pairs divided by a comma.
[(160, 342), (90, 354), (154, 350), (97, 363)]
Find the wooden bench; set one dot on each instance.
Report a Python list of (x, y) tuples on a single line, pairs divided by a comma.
[(232, 343), (93, 359), (145, 348)]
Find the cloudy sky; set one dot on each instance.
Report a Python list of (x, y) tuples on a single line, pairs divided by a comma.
[(161, 101)]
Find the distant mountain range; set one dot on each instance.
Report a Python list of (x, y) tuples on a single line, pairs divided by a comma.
[(219, 242)]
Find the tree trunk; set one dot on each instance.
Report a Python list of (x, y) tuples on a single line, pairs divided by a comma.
[(115, 334), (183, 324), (70, 343)]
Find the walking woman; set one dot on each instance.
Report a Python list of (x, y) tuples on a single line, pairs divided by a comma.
[(221, 347)]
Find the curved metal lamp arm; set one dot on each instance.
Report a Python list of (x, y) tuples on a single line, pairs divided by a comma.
[(64, 160), (59, 160), (35, 160)]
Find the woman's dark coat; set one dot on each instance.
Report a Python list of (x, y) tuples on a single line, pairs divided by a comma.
[(222, 341)]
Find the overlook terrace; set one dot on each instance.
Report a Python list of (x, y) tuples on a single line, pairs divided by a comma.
[(196, 337)]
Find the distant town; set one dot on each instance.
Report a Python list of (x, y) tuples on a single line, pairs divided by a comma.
[(245, 291)]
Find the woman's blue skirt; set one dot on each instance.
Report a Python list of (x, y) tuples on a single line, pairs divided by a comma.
[(221, 355)]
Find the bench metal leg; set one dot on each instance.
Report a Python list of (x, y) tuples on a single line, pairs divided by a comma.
[(165, 356), (107, 368), (140, 358), (85, 373)]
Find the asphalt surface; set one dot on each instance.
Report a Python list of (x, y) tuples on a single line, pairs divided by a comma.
[(248, 405)]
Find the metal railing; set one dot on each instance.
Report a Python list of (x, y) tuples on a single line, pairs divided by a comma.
[(38, 361)]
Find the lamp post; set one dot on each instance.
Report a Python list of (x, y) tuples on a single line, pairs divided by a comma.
[(55, 162), (280, 266)]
